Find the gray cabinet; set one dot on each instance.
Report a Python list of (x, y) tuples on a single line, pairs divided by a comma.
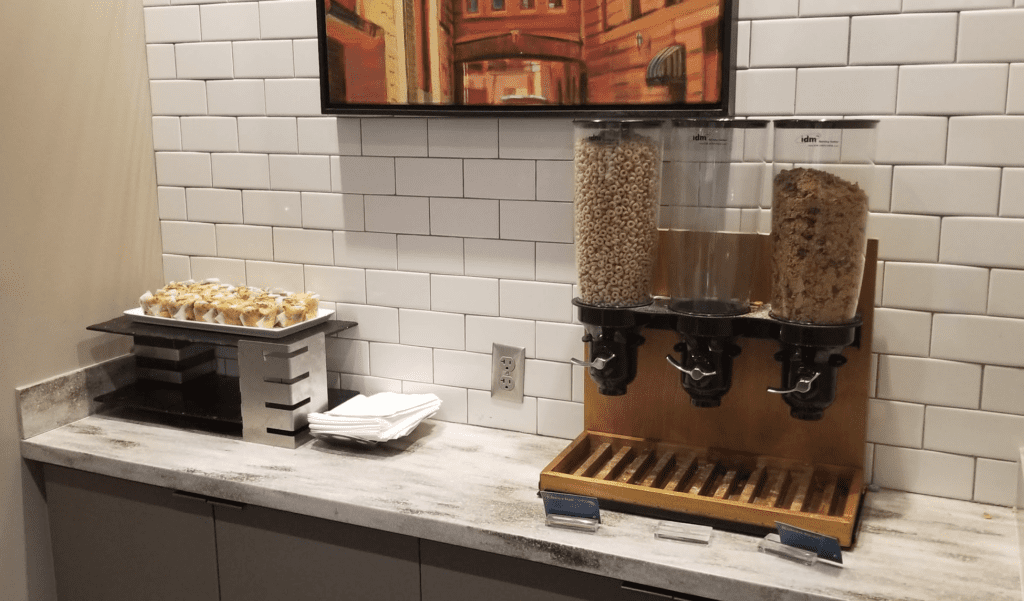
[(122, 541), (268, 554)]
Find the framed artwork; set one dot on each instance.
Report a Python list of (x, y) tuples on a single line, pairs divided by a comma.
[(647, 58)]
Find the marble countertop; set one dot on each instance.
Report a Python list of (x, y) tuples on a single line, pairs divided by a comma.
[(477, 488)]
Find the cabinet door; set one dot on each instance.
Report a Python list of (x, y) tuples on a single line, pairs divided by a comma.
[(273, 555), (457, 574), (115, 540)]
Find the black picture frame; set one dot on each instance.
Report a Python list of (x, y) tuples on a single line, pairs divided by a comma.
[(722, 107)]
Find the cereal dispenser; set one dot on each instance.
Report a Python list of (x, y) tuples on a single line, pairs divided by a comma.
[(617, 168)]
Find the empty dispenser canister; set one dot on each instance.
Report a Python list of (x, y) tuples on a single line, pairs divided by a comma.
[(617, 167), (717, 167), (823, 170)]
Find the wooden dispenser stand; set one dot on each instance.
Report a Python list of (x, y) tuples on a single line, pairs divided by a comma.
[(747, 462)]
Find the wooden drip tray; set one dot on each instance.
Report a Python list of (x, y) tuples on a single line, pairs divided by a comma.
[(709, 483)]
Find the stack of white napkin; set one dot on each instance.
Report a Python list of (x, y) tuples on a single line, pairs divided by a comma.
[(378, 418)]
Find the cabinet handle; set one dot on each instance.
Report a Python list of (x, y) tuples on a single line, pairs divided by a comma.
[(181, 494), (661, 593)]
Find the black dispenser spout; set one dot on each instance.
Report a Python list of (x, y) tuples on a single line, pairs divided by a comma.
[(707, 347), (613, 336), (811, 356)]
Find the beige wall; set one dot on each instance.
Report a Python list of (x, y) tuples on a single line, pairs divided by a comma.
[(79, 237)]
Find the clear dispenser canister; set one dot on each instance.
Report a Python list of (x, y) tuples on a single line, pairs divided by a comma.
[(823, 171), (716, 168), (617, 167)]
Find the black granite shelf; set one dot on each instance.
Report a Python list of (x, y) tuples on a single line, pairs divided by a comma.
[(127, 326)]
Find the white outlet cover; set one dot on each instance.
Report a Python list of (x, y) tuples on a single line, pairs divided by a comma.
[(508, 372)]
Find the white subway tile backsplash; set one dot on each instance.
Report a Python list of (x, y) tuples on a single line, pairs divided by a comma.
[(397, 214), (263, 58), (463, 369), (458, 294), (767, 9), (579, 379), (894, 423), (454, 406), (250, 171), (310, 173), (905, 237), (996, 482), (183, 169), (982, 241), (187, 238), (245, 242), (209, 134), (1003, 390), (226, 270), (951, 5), (432, 328), (1006, 293), (204, 60), (978, 339), (559, 341), (501, 414), (236, 97), (482, 332), (929, 381), (172, 24), (428, 177), (366, 175), (463, 138), (176, 268), (337, 284), (924, 472), (293, 97), (903, 39), (398, 289), (329, 135), (799, 42), (306, 54), (536, 300), (978, 140), (535, 139), (171, 201), (466, 217), (431, 254), (237, 21), (377, 324), (214, 205), (556, 263), (899, 332), (555, 180), (348, 357), (173, 97), (933, 287), (500, 259), (366, 249), (820, 8), (1011, 201), (272, 208), (395, 137), (288, 19), (911, 140), (267, 134), (846, 91), (286, 276), (548, 379), (296, 245), (1015, 93), (743, 45), (166, 133), (978, 433), (509, 179), (559, 419), (766, 92), (991, 36), (369, 385), (535, 220), (160, 59), (952, 89)]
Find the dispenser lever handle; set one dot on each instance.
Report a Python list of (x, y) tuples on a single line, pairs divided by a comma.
[(802, 385), (696, 374), (597, 363)]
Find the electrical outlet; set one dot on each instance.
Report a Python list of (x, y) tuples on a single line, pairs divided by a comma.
[(508, 372)]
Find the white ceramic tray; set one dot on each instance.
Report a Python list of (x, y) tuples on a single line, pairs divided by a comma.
[(137, 315)]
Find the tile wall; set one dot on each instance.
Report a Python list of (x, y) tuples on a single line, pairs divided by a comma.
[(441, 236)]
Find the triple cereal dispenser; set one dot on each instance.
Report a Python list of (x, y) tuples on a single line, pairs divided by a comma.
[(714, 352)]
